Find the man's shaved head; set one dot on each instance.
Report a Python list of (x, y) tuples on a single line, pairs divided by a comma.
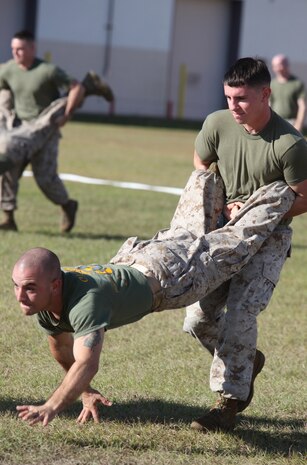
[(280, 58), (42, 260), (37, 279), (281, 66)]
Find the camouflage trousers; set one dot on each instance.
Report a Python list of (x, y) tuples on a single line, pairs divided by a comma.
[(189, 264), (7, 114), (231, 335), (35, 142)]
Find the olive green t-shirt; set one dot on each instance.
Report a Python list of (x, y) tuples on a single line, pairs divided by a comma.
[(34, 88), (285, 95), (249, 161), (99, 296)]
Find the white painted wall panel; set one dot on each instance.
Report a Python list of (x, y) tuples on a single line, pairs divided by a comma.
[(11, 20), (151, 39), (274, 26), (200, 39), (143, 24), (72, 21), (140, 24)]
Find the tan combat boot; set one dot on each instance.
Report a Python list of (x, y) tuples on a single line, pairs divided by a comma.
[(258, 365), (221, 417), (69, 215), (94, 85), (9, 223)]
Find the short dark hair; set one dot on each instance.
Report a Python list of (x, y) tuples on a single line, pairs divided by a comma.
[(248, 72), (24, 35)]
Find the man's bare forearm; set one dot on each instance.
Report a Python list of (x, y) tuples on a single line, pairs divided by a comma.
[(77, 380)]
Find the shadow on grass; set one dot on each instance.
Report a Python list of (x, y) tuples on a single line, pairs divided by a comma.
[(109, 237), (278, 436), (271, 435), (89, 235), (299, 246)]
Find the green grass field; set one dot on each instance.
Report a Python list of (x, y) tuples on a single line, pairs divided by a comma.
[(156, 376)]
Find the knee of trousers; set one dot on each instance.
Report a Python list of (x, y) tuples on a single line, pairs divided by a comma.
[(49, 181), (194, 322), (6, 163), (201, 325), (44, 182), (189, 325)]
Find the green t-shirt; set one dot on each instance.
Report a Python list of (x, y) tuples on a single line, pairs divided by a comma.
[(285, 95), (34, 88), (99, 296), (249, 161)]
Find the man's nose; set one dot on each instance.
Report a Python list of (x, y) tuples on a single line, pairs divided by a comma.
[(232, 104), (19, 294)]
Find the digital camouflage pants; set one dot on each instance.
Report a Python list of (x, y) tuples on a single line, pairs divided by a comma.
[(190, 265), (35, 142), (6, 109), (231, 335)]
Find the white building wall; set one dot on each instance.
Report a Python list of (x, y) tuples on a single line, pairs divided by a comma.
[(274, 26), (151, 40), (138, 23), (74, 21), (270, 27), (12, 13), (138, 52), (140, 55), (143, 24), (199, 49)]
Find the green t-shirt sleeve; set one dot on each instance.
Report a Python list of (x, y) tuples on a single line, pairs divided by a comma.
[(301, 91), (205, 142), (3, 82), (92, 312), (46, 325), (295, 163), (61, 79)]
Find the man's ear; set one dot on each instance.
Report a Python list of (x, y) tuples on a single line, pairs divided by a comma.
[(266, 92), (57, 285)]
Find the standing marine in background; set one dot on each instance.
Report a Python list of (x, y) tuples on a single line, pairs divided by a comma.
[(34, 84), (288, 96)]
